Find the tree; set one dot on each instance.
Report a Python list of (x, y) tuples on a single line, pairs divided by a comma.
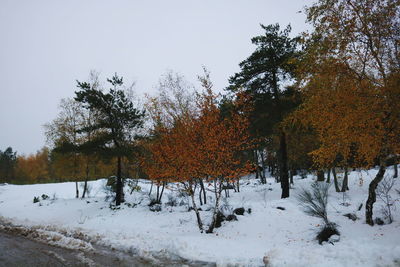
[(262, 77), (8, 160), (64, 130), (176, 99), (221, 146), (350, 76), (199, 145), (117, 118), (34, 168)]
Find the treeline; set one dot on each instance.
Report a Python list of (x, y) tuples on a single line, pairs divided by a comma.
[(48, 166), (327, 99)]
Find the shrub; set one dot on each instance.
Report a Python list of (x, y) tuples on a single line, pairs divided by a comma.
[(133, 186), (315, 201)]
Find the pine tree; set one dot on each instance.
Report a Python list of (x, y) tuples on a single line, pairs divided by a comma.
[(117, 119), (262, 77), (8, 159)]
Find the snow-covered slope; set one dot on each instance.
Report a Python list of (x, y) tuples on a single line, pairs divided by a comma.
[(281, 237)]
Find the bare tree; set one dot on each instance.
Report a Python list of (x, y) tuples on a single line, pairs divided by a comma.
[(64, 129), (383, 192), (176, 98)]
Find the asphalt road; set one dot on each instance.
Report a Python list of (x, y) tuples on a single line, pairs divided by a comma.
[(16, 250)]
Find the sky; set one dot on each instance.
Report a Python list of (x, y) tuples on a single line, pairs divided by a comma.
[(46, 45)]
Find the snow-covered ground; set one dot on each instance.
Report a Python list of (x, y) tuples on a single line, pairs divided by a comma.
[(281, 237)]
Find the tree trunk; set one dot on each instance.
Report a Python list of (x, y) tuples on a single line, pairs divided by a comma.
[(264, 181), (328, 179), (291, 174), (84, 189), (76, 189), (335, 180), (396, 171), (86, 180), (372, 194), (200, 194), (256, 163), (238, 185), (320, 176), (118, 198), (199, 222), (204, 191), (162, 191), (151, 188), (158, 192), (345, 185), (283, 170), (216, 209)]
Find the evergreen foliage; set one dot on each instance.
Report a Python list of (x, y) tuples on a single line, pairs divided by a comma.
[(8, 160), (264, 79), (117, 118)]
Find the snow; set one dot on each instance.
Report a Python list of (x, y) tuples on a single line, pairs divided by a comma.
[(267, 234)]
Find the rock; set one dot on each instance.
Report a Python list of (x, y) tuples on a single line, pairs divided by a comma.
[(219, 220), (351, 216), (154, 202), (326, 232), (379, 221), (334, 238), (266, 260), (231, 218), (238, 211), (155, 208), (249, 210), (191, 208), (228, 186), (280, 208)]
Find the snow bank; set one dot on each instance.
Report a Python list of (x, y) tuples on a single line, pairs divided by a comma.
[(267, 234)]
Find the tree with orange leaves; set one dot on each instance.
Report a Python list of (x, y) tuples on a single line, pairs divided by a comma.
[(351, 80), (222, 142), (34, 168), (201, 145)]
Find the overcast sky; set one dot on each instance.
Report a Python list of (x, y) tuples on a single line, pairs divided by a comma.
[(45, 45)]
